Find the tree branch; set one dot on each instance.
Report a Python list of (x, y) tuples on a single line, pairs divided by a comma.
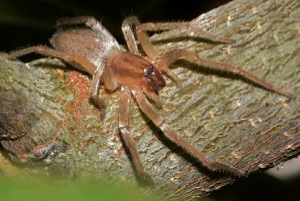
[(226, 117)]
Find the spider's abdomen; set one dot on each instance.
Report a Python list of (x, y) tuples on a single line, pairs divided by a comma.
[(91, 45), (133, 70)]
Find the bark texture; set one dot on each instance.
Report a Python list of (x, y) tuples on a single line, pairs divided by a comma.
[(226, 117)]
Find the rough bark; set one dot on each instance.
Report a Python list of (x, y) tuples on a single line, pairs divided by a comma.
[(226, 117)]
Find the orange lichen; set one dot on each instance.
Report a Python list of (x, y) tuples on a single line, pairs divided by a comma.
[(60, 73), (59, 132), (79, 85), (119, 151)]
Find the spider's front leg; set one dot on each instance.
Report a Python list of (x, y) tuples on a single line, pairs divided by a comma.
[(164, 62), (175, 138), (124, 129), (143, 38), (128, 33)]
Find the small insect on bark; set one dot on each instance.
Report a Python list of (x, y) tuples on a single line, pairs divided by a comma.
[(94, 50)]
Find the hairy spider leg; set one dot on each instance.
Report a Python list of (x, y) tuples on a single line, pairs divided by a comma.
[(144, 39), (127, 29), (90, 22), (49, 61), (78, 62), (94, 91), (164, 62), (175, 138), (127, 138)]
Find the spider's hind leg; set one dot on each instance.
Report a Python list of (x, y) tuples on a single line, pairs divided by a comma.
[(76, 61), (47, 61), (86, 20)]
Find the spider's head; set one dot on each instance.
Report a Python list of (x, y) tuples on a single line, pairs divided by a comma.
[(155, 80)]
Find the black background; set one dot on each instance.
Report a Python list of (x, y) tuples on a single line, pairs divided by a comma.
[(30, 22)]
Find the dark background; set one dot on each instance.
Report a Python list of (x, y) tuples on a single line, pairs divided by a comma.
[(30, 22), (26, 23)]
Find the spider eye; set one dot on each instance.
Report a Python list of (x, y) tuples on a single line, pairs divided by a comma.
[(148, 71)]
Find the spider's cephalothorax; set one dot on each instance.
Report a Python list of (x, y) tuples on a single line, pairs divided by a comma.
[(95, 50)]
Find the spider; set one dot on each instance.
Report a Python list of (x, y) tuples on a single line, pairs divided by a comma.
[(94, 50)]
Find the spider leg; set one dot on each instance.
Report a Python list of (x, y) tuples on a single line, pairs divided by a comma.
[(47, 61), (194, 31), (87, 20), (76, 61), (154, 98), (95, 89), (142, 36), (174, 137), (129, 35), (124, 129), (174, 55)]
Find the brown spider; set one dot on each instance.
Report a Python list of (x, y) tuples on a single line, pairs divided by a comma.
[(95, 51)]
